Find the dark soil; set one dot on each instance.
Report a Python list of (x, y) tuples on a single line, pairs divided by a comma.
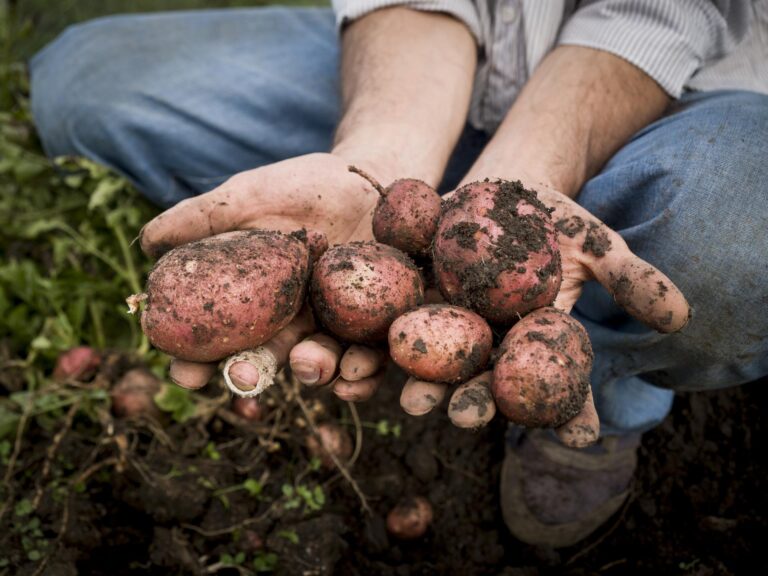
[(698, 506)]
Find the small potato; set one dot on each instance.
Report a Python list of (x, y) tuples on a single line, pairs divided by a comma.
[(333, 440), (406, 214), (358, 289), (440, 343), (248, 408), (209, 299), (541, 379), (79, 363), (496, 251), (134, 394), (472, 404), (410, 518)]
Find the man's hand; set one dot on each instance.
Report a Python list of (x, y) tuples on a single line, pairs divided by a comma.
[(589, 251), (315, 192), (406, 78)]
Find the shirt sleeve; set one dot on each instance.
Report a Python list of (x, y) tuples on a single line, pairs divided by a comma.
[(463, 10), (668, 40)]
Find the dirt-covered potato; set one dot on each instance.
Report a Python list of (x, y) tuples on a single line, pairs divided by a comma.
[(541, 378), (410, 518), (79, 363), (331, 439), (440, 343), (406, 217), (496, 251), (220, 295), (358, 289), (406, 214), (133, 395)]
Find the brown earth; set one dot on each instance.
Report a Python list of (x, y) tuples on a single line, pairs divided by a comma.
[(161, 507)]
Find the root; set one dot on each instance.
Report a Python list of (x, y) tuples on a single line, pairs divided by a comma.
[(133, 302), (375, 183)]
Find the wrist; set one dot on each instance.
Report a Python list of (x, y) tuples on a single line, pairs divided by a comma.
[(391, 151), (511, 167)]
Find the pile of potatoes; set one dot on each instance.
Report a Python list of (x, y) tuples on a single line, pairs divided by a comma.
[(491, 250)]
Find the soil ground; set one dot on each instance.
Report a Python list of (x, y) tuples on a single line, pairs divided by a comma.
[(158, 503)]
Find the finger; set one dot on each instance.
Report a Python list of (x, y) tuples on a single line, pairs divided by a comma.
[(360, 362), (472, 404), (199, 217), (191, 375), (359, 390), (583, 429), (314, 360), (419, 397), (246, 374), (643, 291)]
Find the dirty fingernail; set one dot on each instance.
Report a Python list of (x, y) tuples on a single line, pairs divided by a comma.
[(305, 372)]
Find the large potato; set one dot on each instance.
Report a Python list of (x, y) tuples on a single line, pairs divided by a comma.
[(440, 343), (541, 378), (496, 251), (358, 289), (220, 295)]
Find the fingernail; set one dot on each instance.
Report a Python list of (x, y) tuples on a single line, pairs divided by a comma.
[(244, 375), (306, 373)]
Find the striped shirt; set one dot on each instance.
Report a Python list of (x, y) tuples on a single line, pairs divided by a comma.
[(682, 44)]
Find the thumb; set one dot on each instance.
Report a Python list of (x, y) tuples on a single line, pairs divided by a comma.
[(642, 290), (211, 213)]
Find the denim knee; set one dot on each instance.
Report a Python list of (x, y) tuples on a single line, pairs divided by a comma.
[(688, 195)]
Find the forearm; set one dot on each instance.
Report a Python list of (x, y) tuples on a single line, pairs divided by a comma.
[(406, 83), (579, 107)]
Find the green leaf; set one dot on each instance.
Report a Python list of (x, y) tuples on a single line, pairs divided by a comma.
[(253, 487), (34, 555), (265, 562), (211, 451), (176, 401), (23, 507), (105, 192), (289, 535)]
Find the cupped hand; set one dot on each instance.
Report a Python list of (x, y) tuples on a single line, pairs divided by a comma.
[(315, 192), (589, 250)]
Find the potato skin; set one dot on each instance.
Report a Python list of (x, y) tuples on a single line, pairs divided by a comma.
[(358, 289), (79, 363), (541, 379), (220, 295), (133, 395), (410, 518), (333, 440), (496, 251), (440, 343), (406, 216)]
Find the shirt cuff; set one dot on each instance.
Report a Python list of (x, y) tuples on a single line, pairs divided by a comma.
[(463, 10), (669, 41)]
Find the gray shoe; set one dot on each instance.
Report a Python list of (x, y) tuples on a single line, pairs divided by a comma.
[(556, 496)]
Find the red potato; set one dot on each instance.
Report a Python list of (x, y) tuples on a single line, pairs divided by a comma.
[(333, 440), (440, 343), (79, 363), (134, 394), (248, 408), (541, 379), (496, 251), (406, 214), (358, 289), (410, 518), (224, 294)]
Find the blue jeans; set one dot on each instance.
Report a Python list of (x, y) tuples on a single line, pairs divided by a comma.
[(178, 102)]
